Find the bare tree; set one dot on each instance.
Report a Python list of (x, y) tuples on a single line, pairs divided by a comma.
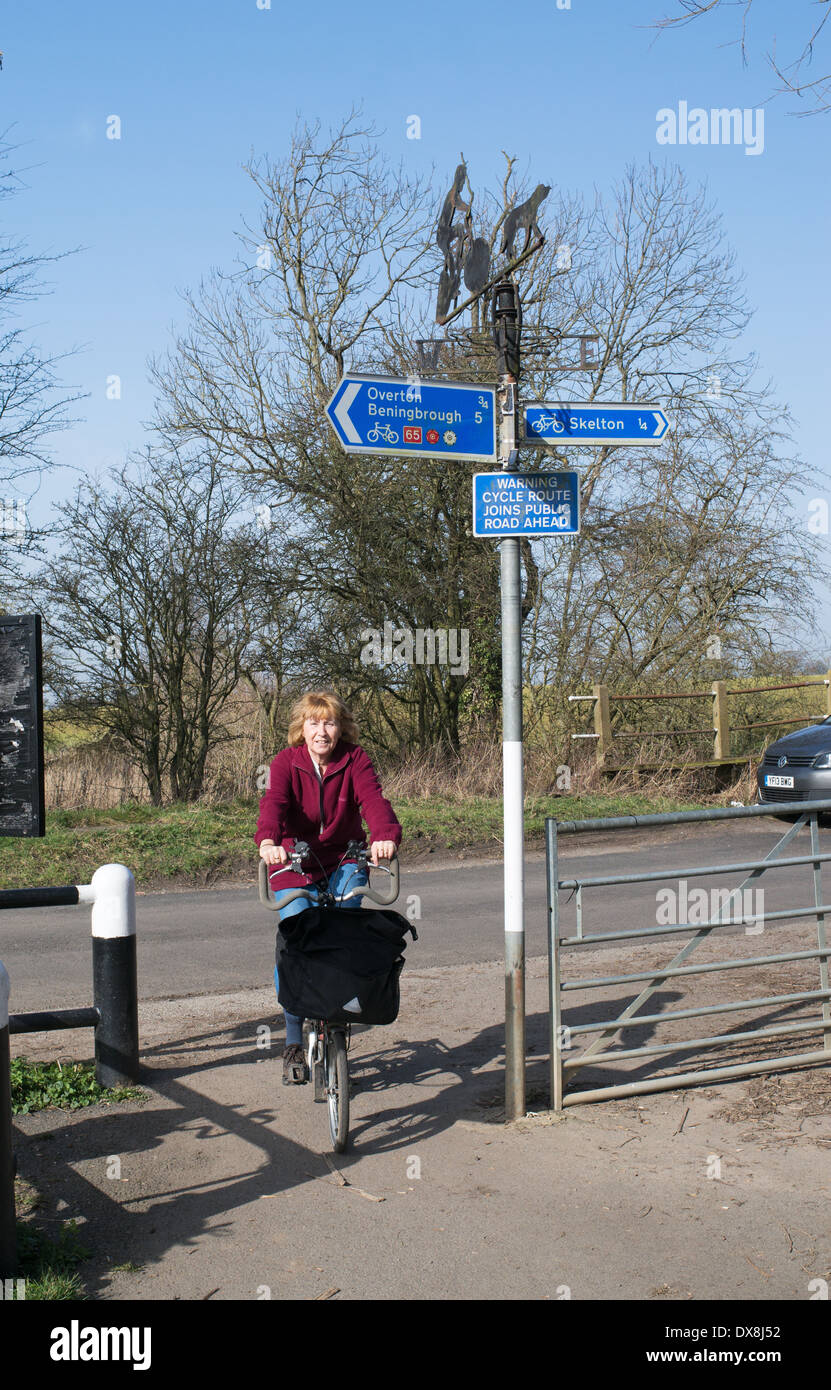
[(693, 546), (793, 72), (343, 245), (677, 541), (147, 608), (32, 404)]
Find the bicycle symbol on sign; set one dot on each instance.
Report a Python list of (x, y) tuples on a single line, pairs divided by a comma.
[(384, 432), (547, 422)]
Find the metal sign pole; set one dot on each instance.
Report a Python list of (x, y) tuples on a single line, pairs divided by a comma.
[(506, 334), (512, 774), (465, 254)]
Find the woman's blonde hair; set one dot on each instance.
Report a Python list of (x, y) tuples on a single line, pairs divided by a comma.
[(321, 704)]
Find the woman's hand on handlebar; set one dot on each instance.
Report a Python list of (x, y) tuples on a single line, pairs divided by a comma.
[(273, 854), (381, 849)]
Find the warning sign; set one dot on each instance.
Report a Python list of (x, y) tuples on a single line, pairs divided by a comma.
[(526, 504)]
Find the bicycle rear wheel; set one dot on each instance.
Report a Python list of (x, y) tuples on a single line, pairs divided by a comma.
[(337, 1089)]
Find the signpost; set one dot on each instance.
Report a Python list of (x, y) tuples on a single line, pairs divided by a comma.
[(433, 419), (453, 420), (594, 424), (526, 504)]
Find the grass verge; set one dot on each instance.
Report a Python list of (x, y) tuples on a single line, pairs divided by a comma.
[(70, 1085), (200, 845), (49, 1267)]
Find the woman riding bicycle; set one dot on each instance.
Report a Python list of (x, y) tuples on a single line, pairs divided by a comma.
[(318, 788)]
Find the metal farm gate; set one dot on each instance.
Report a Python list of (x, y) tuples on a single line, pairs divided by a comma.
[(571, 1048)]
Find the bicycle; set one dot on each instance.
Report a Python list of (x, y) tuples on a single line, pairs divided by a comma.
[(384, 432), (325, 1044), (547, 422)]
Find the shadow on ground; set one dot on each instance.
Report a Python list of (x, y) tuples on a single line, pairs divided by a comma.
[(189, 1162)]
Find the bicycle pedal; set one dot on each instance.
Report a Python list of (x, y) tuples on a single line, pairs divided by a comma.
[(297, 1077)]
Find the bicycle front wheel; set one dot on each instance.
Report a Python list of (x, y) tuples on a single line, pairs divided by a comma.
[(337, 1090)]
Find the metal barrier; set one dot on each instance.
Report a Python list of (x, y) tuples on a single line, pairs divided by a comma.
[(114, 1012), (652, 979)]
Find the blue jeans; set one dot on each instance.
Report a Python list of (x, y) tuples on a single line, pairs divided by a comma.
[(343, 880)]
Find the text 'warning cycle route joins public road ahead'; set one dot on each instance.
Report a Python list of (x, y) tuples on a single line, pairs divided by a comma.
[(526, 504), (434, 419)]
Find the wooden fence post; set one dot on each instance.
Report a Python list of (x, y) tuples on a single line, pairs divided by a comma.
[(602, 723), (721, 721), (828, 693)]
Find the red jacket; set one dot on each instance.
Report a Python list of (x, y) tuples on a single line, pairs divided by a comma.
[(327, 814)]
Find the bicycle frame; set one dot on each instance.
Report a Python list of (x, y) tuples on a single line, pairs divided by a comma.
[(317, 1043)]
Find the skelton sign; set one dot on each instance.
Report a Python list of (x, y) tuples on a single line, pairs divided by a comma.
[(594, 424)]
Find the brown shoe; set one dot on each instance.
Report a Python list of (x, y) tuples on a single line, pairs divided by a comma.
[(295, 1071)]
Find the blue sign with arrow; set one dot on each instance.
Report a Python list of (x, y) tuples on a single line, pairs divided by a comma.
[(593, 425), (434, 419)]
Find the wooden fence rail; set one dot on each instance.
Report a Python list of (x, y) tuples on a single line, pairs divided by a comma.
[(720, 730)]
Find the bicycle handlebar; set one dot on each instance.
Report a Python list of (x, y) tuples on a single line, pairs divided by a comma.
[(265, 897), (364, 891), (394, 872)]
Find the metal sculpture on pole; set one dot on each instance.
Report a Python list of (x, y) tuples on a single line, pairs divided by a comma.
[(523, 216), (472, 258), (464, 254)]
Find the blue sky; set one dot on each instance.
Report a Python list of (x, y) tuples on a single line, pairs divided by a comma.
[(201, 84)]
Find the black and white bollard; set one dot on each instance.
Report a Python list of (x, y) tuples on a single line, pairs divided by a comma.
[(8, 1238), (112, 893)]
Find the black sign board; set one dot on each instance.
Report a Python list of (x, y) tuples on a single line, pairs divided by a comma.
[(21, 727)]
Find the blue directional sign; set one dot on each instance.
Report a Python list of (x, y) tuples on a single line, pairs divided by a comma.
[(594, 425), (434, 419), (526, 504)]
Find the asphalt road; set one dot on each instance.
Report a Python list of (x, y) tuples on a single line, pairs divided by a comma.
[(222, 940)]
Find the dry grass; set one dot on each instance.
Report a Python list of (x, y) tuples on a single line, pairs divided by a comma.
[(81, 773), (478, 772), (93, 775), (800, 1094)]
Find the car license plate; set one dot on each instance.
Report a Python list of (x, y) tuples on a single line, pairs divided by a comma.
[(771, 781)]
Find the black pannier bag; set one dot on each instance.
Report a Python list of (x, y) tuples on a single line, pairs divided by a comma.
[(342, 964)]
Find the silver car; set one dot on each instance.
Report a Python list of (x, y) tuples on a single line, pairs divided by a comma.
[(797, 767)]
